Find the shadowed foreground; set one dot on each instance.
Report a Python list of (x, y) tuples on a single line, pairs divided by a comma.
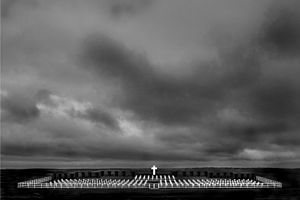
[(290, 179)]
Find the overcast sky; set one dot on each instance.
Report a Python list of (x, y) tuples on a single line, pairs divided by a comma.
[(122, 83)]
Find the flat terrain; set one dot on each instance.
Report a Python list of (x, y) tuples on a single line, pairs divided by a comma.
[(290, 179)]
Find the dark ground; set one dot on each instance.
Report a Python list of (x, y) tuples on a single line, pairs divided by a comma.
[(290, 179)]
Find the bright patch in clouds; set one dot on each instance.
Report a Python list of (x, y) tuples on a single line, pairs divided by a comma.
[(130, 128), (256, 154), (62, 106)]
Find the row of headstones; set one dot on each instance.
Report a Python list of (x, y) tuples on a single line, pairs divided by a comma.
[(35, 181), (93, 174), (148, 177), (116, 173), (215, 174), (268, 181), (83, 183), (128, 183), (217, 183)]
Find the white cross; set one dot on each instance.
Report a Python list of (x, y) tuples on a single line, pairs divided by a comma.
[(154, 168)]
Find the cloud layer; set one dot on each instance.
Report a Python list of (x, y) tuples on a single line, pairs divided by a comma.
[(105, 83)]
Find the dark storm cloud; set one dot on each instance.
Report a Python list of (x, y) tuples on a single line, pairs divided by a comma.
[(110, 58), (276, 99), (8, 5), (93, 151), (281, 30), (170, 99), (252, 132), (17, 108), (98, 116), (119, 8), (225, 149), (292, 141), (166, 98), (154, 95)]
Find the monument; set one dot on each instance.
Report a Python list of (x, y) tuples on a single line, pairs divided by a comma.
[(154, 168)]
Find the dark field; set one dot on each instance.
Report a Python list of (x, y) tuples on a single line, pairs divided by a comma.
[(290, 179)]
